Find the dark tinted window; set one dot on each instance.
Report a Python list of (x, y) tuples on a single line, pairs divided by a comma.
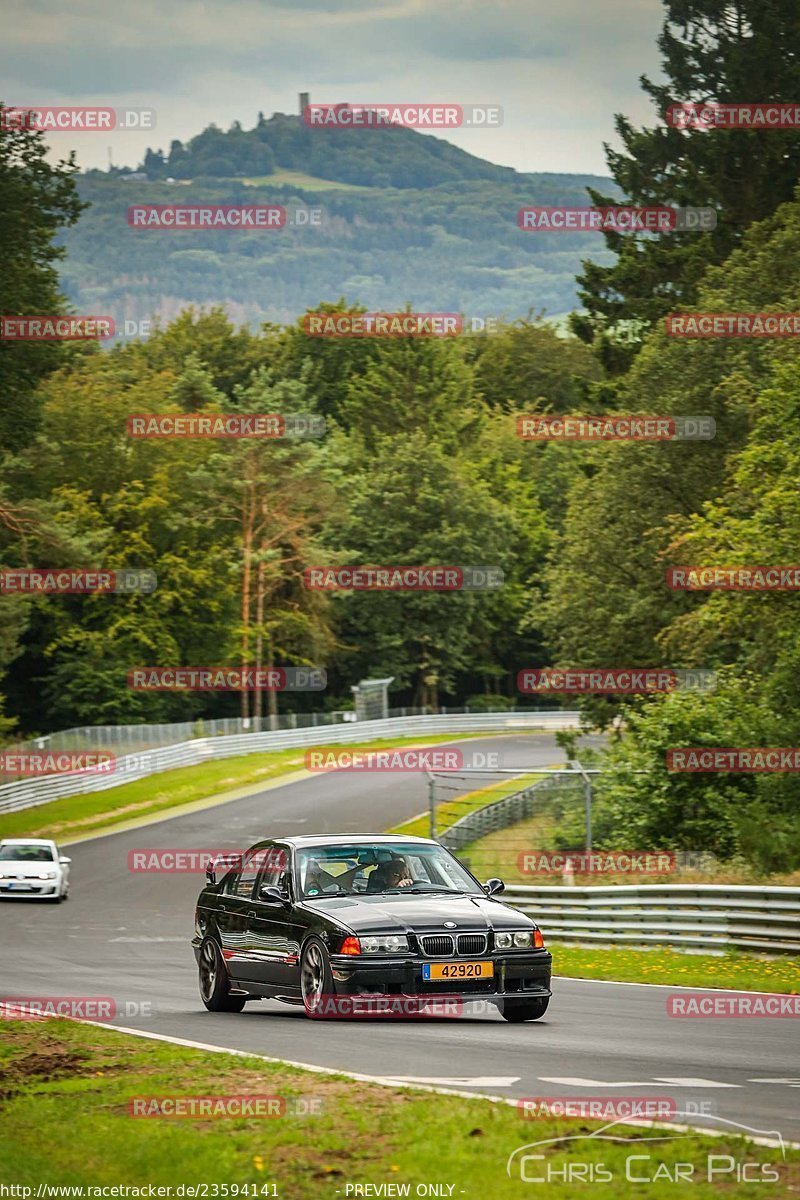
[(245, 880), (27, 854)]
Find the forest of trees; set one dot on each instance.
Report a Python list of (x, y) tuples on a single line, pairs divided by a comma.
[(422, 463), (447, 247)]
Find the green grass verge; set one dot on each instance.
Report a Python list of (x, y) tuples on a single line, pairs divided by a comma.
[(739, 972), (94, 812), (498, 854), (450, 811), (64, 1107)]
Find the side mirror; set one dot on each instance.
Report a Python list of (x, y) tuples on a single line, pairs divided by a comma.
[(65, 860), (493, 887), (211, 874), (272, 895)]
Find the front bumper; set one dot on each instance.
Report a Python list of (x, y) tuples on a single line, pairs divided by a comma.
[(515, 975), (35, 889)]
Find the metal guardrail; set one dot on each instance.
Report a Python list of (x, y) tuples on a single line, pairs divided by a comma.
[(502, 813), (28, 793), (713, 917), (131, 739)]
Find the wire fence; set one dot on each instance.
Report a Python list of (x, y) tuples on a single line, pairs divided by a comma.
[(508, 810), (27, 793), (130, 739), (540, 829)]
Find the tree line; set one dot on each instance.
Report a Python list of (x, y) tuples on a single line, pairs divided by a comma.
[(422, 462)]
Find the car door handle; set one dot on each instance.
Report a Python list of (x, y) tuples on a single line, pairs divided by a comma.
[(251, 912)]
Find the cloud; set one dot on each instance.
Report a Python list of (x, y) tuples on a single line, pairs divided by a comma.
[(560, 71)]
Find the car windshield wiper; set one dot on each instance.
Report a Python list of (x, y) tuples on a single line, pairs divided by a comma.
[(438, 889)]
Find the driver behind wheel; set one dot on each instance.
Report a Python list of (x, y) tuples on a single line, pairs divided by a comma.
[(391, 874)]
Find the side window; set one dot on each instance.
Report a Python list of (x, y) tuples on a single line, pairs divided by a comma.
[(275, 863), (231, 884), (246, 879)]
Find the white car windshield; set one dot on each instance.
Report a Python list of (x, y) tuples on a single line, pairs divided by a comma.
[(11, 853), (381, 868)]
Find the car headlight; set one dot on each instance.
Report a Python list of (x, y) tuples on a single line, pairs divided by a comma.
[(521, 940), (47, 875), (388, 943)]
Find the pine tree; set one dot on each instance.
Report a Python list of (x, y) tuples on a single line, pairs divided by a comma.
[(712, 50)]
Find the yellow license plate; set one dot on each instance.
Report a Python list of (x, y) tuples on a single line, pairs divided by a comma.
[(449, 971)]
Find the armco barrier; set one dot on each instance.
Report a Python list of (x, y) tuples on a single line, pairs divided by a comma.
[(503, 813), (27, 793), (708, 916)]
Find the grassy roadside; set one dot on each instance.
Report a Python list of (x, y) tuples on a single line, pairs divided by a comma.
[(453, 810), (498, 854), (64, 1106), (95, 812), (623, 964)]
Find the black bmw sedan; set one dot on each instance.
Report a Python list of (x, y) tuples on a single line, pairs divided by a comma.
[(334, 922)]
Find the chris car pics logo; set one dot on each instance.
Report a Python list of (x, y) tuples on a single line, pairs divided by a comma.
[(649, 1157)]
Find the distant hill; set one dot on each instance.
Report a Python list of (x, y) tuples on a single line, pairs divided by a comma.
[(408, 217), (380, 158)]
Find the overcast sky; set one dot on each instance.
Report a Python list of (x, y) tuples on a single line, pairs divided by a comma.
[(559, 68)]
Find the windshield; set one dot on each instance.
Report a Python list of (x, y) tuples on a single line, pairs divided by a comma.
[(26, 854), (386, 868)]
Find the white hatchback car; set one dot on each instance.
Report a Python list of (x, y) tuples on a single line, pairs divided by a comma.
[(33, 867)]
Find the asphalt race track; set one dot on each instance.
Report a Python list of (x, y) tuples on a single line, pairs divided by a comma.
[(127, 936)]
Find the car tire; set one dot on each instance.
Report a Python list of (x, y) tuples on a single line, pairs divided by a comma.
[(517, 1011), (316, 978), (214, 980)]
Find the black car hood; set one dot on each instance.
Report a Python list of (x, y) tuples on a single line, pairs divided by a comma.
[(398, 913)]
